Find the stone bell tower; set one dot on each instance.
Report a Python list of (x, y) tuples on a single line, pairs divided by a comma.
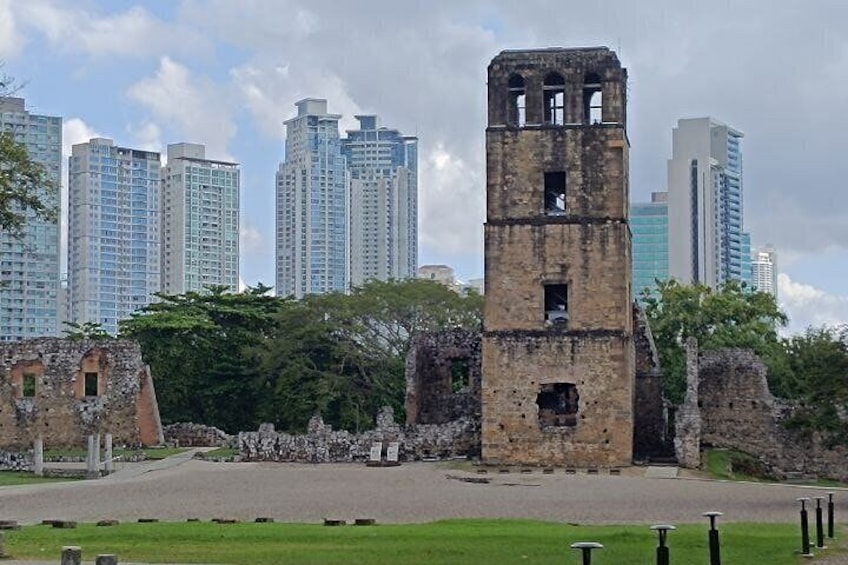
[(558, 361)]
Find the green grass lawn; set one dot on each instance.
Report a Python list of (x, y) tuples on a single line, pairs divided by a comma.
[(16, 478), (221, 452), (149, 452), (467, 542)]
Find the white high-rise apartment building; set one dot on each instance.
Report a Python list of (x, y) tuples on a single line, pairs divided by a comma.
[(764, 270), (29, 264), (383, 167), (199, 221), (312, 205), (113, 231), (706, 242)]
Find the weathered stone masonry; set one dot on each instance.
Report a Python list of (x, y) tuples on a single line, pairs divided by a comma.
[(558, 361), (63, 390)]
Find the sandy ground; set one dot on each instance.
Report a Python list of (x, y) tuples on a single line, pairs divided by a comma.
[(413, 492)]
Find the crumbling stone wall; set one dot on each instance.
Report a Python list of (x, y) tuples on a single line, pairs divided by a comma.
[(188, 434), (322, 444), (443, 377), (63, 390), (558, 358), (16, 461), (737, 411)]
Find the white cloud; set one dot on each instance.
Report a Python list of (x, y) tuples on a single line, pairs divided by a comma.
[(132, 33), (10, 41), (807, 305), (251, 240), (148, 136), (196, 107), (450, 203)]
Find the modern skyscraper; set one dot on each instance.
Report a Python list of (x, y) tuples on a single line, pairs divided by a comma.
[(705, 199), (113, 227), (29, 264), (649, 229), (383, 166), (312, 205), (764, 270), (200, 221)]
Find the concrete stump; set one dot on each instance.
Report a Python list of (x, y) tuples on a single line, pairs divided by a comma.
[(90, 461), (107, 445), (38, 457), (71, 555), (2, 546), (106, 559)]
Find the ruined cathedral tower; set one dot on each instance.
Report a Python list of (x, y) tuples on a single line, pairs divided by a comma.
[(558, 365)]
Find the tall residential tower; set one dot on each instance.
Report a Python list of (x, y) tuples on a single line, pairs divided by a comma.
[(649, 226), (113, 231), (312, 205), (705, 196), (383, 167), (200, 221), (29, 264)]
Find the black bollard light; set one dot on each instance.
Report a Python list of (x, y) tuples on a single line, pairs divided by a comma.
[(662, 549), (715, 549), (819, 522), (830, 515), (805, 528), (586, 548)]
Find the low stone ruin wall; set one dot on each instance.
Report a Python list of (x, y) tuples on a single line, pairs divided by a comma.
[(734, 409), (14, 461), (322, 444), (187, 434)]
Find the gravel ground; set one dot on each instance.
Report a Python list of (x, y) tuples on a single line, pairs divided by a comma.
[(413, 492)]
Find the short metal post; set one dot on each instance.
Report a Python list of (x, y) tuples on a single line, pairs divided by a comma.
[(715, 546), (662, 549), (586, 548), (830, 515), (819, 522), (805, 527)]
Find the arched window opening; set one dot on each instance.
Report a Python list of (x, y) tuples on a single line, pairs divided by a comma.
[(592, 99), (554, 96), (517, 101)]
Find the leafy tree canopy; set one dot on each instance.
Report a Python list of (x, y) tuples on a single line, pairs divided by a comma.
[(731, 316)]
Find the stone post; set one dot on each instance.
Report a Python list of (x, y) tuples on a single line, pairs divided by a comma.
[(38, 456), (91, 460), (71, 555), (107, 446), (2, 547), (106, 559), (687, 441), (97, 454)]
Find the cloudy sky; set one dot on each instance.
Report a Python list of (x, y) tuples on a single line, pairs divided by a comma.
[(227, 73)]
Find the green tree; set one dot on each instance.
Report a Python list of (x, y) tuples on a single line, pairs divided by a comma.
[(344, 355), (86, 330), (816, 377), (201, 348), (731, 316)]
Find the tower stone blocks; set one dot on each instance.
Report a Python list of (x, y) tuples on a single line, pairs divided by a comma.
[(558, 358)]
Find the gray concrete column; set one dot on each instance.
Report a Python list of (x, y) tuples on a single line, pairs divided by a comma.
[(2, 546), (106, 559), (71, 555), (90, 462), (38, 456), (97, 453), (107, 446)]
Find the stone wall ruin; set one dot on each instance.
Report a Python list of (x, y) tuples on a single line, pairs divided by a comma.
[(64, 390)]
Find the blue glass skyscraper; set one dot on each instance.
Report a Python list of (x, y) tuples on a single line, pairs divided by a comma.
[(29, 264), (649, 236), (383, 166), (707, 242), (312, 205)]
